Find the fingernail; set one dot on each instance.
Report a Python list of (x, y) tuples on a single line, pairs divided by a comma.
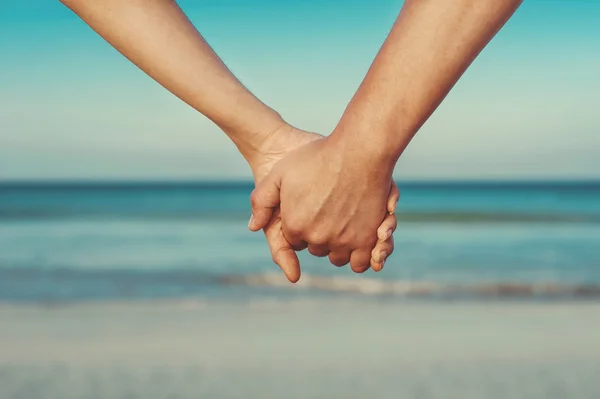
[(381, 264), (388, 234), (382, 256), (251, 222)]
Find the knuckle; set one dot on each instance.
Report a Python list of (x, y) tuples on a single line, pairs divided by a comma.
[(345, 241), (293, 229), (360, 261), (376, 251), (339, 261), (300, 246), (317, 238), (360, 268), (364, 243), (295, 226), (254, 199), (319, 252), (275, 257)]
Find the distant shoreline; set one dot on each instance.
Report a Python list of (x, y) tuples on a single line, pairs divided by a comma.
[(239, 183)]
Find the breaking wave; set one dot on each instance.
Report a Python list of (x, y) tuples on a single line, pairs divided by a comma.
[(67, 285)]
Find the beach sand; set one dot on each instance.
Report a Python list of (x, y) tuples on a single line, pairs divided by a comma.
[(302, 349)]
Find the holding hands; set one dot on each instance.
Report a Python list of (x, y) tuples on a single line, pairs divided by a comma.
[(306, 197), (335, 195)]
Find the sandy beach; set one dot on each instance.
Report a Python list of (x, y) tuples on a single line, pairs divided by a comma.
[(301, 349)]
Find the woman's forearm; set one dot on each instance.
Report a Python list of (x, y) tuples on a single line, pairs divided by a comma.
[(157, 37), (429, 47)]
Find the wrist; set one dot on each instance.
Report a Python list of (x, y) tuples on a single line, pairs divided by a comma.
[(358, 154), (250, 134), (380, 124), (366, 146)]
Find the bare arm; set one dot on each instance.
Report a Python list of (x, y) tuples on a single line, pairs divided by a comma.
[(157, 37), (430, 46), (428, 49)]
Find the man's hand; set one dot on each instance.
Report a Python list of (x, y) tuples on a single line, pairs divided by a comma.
[(330, 201)]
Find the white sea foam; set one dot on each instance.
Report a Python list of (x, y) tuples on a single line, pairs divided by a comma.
[(371, 286)]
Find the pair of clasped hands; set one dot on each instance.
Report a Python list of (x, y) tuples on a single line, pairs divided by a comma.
[(324, 194), (333, 195)]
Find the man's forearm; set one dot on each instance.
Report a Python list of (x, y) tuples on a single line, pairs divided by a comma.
[(157, 37), (429, 47)]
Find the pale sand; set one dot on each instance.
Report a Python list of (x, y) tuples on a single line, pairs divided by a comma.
[(301, 350)]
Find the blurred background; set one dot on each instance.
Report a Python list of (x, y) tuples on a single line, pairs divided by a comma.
[(127, 270)]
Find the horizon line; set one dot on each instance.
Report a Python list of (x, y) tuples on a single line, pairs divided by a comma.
[(248, 182)]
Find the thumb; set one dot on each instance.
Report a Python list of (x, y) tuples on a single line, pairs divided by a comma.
[(264, 200)]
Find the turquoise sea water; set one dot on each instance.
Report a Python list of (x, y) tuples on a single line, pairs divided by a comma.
[(95, 241)]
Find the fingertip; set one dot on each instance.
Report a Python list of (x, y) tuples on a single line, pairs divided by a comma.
[(360, 261), (383, 250), (294, 277), (264, 199), (290, 265), (251, 224), (393, 198), (376, 266), (361, 269), (259, 220), (387, 228), (339, 259), (292, 273), (384, 232)]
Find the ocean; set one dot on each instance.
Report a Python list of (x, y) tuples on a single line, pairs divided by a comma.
[(156, 290), (127, 241)]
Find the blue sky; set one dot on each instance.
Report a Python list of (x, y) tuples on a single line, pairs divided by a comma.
[(71, 107)]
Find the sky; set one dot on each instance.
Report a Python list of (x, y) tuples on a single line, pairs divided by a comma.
[(71, 107)]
